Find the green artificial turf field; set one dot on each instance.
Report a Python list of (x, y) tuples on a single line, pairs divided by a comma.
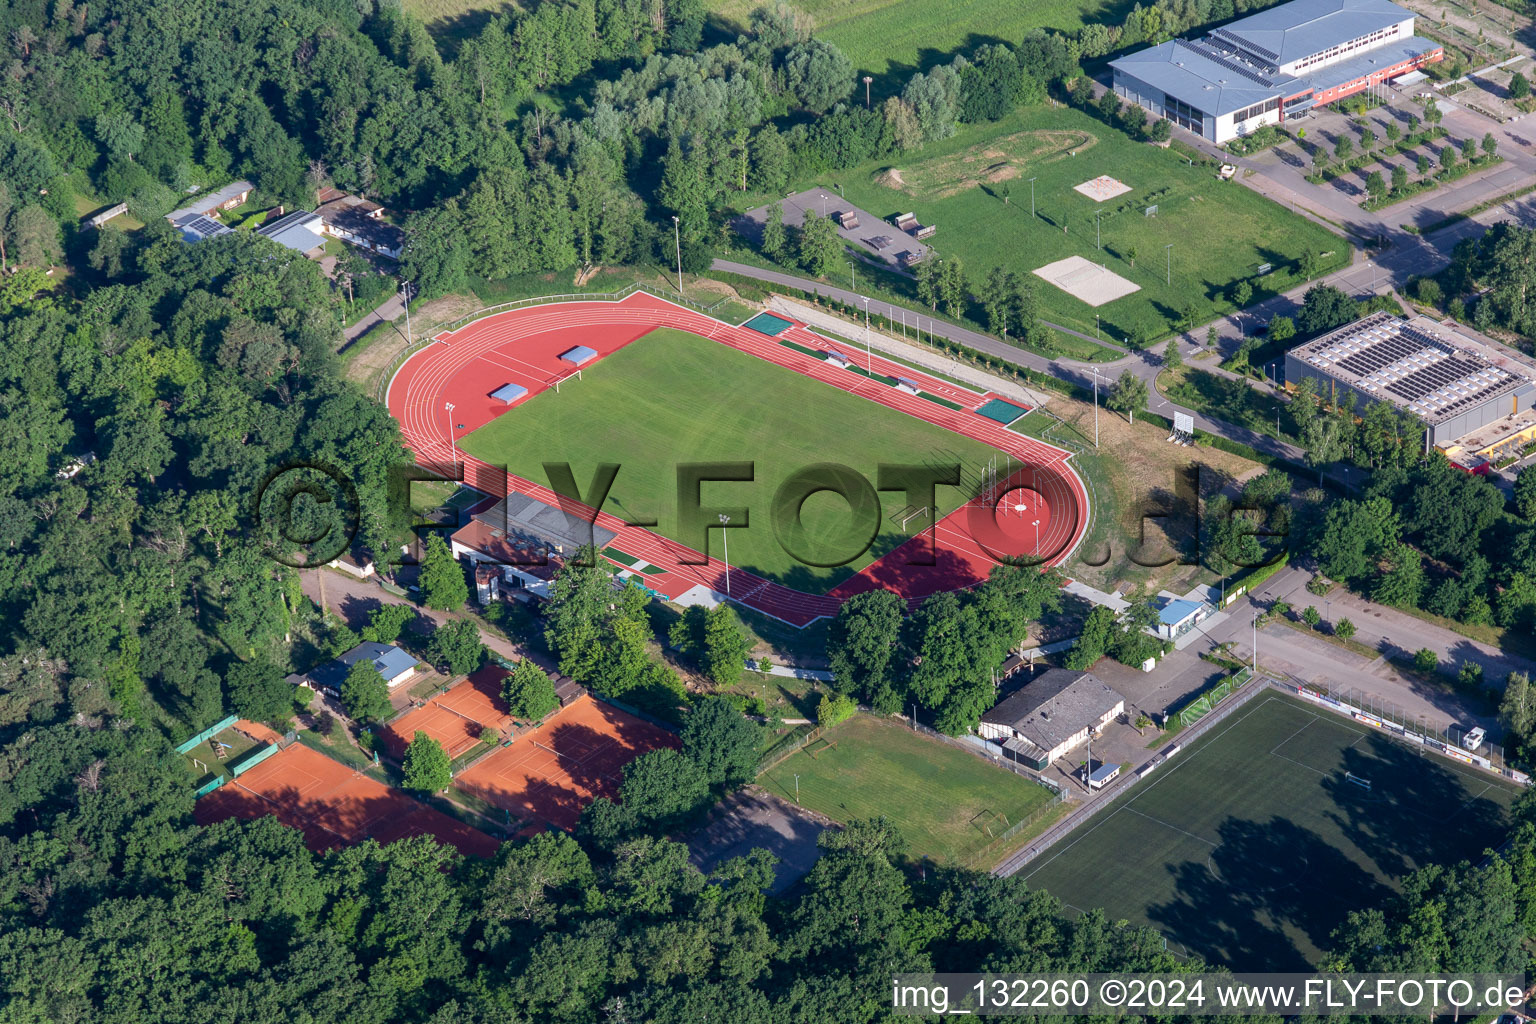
[(942, 799), (975, 189), (1250, 847), (674, 397)]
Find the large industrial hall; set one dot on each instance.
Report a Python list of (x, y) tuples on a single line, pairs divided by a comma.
[(1274, 66)]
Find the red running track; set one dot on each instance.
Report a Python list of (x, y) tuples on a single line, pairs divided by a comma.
[(1043, 514)]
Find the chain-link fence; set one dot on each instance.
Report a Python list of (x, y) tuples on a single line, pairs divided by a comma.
[(1113, 794), (1412, 723)]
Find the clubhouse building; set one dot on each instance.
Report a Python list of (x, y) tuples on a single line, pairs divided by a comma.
[(1274, 66)]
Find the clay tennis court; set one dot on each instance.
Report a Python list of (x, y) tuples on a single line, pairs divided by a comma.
[(333, 805), (455, 718), (549, 774)]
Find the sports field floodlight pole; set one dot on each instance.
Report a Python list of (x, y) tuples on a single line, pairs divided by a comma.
[(1095, 372), (725, 538), (797, 789), (1031, 198), (869, 359), (853, 278), (405, 286), (677, 240), (1037, 537), (1255, 641), (867, 80), (448, 408), (1169, 250)]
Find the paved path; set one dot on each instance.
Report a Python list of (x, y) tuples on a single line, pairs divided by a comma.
[(922, 355), (353, 599), (388, 311), (1144, 364)]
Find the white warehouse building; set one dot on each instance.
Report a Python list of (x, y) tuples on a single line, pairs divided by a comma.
[(1274, 66)]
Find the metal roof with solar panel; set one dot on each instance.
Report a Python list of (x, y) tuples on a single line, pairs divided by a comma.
[(1384, 356)]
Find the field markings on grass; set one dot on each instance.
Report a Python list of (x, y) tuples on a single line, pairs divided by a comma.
[(1160, 821), (1273, 750), (753, 408), (1163, 774)]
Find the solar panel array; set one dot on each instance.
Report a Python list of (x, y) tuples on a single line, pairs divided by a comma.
[(1229, 61), (205, 227), (1384, 357), (1246, 44)]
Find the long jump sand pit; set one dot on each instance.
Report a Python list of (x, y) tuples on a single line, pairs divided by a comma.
[(1103, 187), (1088, 281)]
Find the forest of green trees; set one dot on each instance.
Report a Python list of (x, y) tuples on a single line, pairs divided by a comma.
[(151, 389), (560, 134)]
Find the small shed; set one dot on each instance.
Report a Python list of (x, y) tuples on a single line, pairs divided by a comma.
[(509, 393), (579, 355), (848, 219), (1177, 615), (1103, 775)]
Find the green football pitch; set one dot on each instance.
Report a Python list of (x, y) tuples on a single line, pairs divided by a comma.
[(1250, 847), (673, 397), (975, 188), (950, 805)]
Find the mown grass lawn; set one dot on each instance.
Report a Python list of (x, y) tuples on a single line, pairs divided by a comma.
[(942, 799), (883, 37), (674, 397), (975, 189)]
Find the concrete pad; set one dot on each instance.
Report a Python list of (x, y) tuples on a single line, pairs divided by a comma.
[(1088, 281), (1103, 187)]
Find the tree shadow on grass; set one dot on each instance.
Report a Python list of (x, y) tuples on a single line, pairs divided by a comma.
[(1417, 811), (1261, 878)]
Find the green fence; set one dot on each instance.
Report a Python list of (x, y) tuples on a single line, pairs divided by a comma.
[(252, 760), (212, 730), (204, 790), (1207, 700)]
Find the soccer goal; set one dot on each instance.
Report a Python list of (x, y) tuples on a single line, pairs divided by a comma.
[(1358, 780), (913, 512)]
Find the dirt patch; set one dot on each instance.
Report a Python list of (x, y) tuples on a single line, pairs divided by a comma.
[(992, 162), (753, 819), (1136, 473)]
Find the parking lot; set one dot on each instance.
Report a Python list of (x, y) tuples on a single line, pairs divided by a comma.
[(878, 237)]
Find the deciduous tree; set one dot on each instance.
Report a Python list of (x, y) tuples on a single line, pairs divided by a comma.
[(426, 767)]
